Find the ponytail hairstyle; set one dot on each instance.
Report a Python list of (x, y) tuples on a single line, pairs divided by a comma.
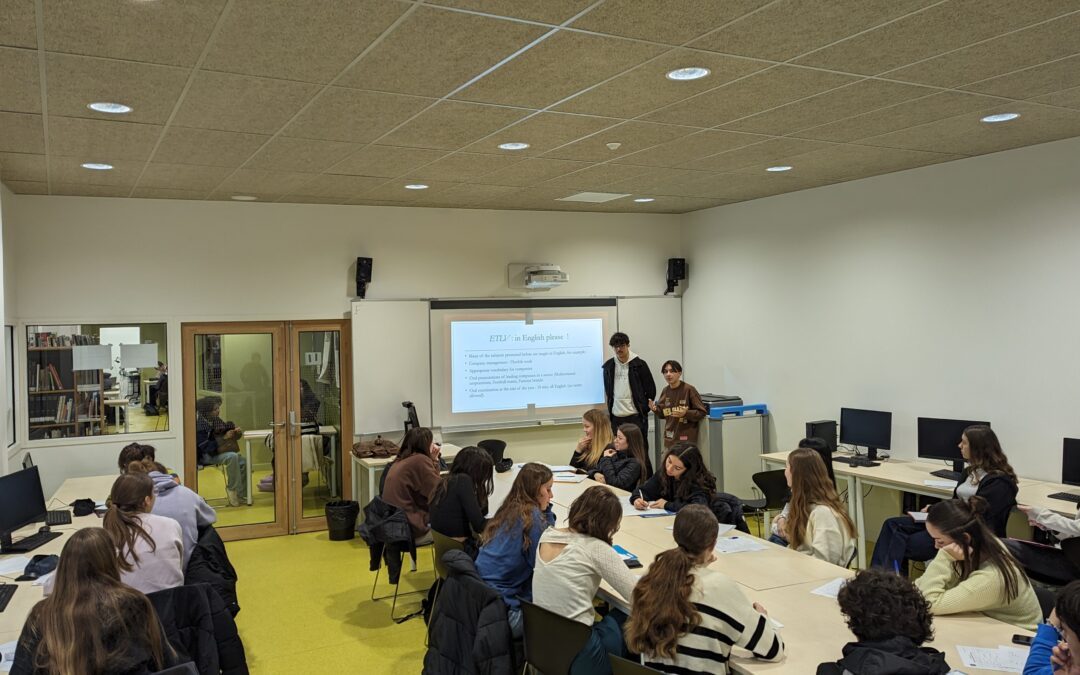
[(75, 624), (479, 467), (695, 476), (126, 501), (961, 522), (662, 611), (520, 506), (810, 486), (597, 512), (635, 447), (134, 452), (601, 435), (985, 453), (145, 466)]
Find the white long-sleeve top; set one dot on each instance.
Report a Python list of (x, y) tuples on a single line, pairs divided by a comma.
[(567, 583), (1061, 526), (826, 537)]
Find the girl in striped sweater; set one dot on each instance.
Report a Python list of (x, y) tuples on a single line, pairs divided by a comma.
[(686, 616)]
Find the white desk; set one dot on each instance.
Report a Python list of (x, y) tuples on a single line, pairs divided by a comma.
[(118, 404), (366, 472), (261, 434)]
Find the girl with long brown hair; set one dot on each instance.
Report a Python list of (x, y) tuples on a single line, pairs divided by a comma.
[(817, 522), (459, 504), (91, 623), (596, 437), (510, 540), (149, 548), (625, 463), (682, 479), (411, 479), (973, 571), (570, 564), (687, 615)]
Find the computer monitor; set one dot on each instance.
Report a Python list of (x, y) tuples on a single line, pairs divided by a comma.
[(940, 439), (870, 428), (1070, 461), (22, 502)]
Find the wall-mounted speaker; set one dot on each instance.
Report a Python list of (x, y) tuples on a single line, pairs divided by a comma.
[(363, 276), (676, 269), (823, 429)]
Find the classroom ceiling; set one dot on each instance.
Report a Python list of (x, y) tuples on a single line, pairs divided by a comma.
[(349, 101)]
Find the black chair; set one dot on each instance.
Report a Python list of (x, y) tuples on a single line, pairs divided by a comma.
[(621, 666), (774, 488), (552, 642), (1047, 599), (1071, 549), (182, 669), (441, 544)]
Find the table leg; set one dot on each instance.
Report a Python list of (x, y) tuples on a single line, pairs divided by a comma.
[(126, 418), (247, 470), (333, 467), (860, 518)]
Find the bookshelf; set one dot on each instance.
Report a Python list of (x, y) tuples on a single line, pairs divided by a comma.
[(62, 402)]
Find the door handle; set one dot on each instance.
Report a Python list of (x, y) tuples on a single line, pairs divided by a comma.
[(292, 421), (276, 424)]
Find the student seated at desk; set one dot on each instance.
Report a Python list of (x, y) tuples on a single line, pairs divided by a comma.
[(987, 475), (891, 620), (570, 564), (1056, 640), (92, 623), (625, 464), (682, 479), (596, 438), (973, 571), (136, 452), (778, 527), (1048, 562), (459, 504), (508, 554), (216, 443), (175, 501), (411, 478), (817, 523), (150, 548), (685, 617)]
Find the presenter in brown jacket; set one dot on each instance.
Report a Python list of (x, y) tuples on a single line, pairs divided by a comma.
[(679, 405)]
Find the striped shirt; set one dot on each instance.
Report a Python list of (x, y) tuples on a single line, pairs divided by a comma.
[(727, 619)]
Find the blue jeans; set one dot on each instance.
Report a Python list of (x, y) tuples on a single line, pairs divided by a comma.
[(234, 464), (513, 615), (777, 539), (606, 638), (902, 539)]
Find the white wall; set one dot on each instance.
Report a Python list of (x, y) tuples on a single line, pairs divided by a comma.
[(10, 457), (946, 291), (99, 260)]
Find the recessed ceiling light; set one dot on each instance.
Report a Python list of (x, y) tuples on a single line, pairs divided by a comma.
[(416, 186), (244, 198), (778, 169), (109, 107), (1000, 117), (96, 166), (691, 73), (642, 200), (513, 146)]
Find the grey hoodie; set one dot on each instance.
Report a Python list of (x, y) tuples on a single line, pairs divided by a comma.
[(184, 506)]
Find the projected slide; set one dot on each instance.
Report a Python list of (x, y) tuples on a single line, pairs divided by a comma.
[(510, 365)]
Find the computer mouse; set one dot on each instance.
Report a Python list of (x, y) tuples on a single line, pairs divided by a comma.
[(43, 529)]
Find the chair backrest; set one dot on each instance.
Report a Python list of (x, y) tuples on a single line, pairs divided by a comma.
[(1071, 549), (551, 641), (854, 554), (443, 544), (182, 669), (621, 666), (774, 486), (1047, 599)]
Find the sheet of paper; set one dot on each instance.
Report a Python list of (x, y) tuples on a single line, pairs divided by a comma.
[(629, 510), (1003, 659), (41, 581), (13, 566), (918, 516), (569, 478), (7, 656), (562, 468), (939, 483), (738, 545), (831, 589)]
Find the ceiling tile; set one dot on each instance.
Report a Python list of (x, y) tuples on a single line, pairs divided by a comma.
[(183, 176), (832, 105), (434, 51), (543, 132), (760, 155), (646, 88), (20, 88), (395, 191), (227, 196), (352, 115), (547, 11), (27, 188), (167, 193), (900, 116), (932, 31), (672, 22), (68, 170), (75, 81), (788, 28), (100, 140), (18, 25), (1028, 47), (337, 186), (172, 32), (299, 154), (20, 132), (730, 186), (450, 125), (464, 166), (84, 190), (667, 204), (632, 136), (1044, 79), (561, 65), (596, 176), (966, 135), (386, 161), (241, 103), (848, 162), (207, 147), (22, 167), (1068, 98), (306, 41), (756, 93), (474, 192), (540, 198), (531, 171), (257, 181), (688, 148), (308, 199)]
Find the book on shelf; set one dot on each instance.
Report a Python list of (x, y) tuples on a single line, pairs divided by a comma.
[(48, 339)]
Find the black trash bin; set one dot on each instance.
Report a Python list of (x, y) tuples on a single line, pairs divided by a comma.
[(341, 519)]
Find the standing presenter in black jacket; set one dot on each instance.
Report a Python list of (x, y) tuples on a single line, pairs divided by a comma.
[(629, 386)]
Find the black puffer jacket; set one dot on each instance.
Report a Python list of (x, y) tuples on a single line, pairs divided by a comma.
[(621, 471), (200, 628), (210, 564), (895, 656), (999, 491), (469, 632)]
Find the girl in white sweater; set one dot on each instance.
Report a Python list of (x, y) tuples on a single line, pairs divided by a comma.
[(817, 523), (150, 548)]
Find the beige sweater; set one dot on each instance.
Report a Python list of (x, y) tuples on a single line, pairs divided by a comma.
[(981, 592), (827, 538)]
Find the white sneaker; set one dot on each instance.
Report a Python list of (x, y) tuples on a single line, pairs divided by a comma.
[(234, 498)]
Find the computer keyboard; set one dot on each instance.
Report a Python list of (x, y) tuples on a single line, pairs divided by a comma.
[(27, 544), (6, 591), (855, 461), (1066, 496), (53, 518), (947, 474)]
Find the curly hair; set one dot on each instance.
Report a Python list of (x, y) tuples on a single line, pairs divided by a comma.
[(879, 605)]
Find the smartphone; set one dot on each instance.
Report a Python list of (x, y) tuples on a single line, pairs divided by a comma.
[(633, 563), (1022, 640)]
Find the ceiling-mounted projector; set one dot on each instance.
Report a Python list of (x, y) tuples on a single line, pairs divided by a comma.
[(544, 276)]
